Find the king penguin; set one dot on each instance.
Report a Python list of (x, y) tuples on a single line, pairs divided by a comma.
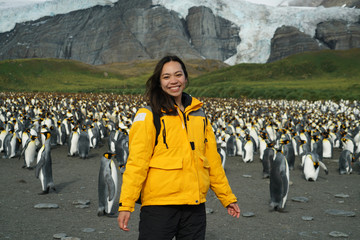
[(239, 142), (6, 144), (327, 145), (312, 164), (11, 144), (73, 142), (231, 148), (44, 165), (279, 182), (263, 141), (84, 143), (288, 150), (221, 146), (345, 159), (29, 152), (107, 184), (248, 149), (122, 150), (3, 134), (268, 158)]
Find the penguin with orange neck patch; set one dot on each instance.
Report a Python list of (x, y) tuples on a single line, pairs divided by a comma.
[(107, 184)]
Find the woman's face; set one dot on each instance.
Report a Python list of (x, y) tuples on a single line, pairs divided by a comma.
[(173, 80)]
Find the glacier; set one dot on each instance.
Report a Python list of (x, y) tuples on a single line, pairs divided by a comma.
[(257, 21)]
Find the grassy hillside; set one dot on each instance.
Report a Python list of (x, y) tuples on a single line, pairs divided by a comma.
[(314, 75), (57, 75), (320, 75)]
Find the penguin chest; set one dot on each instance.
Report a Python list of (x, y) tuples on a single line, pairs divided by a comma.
[(262, 148), (327, 149), (13, 143), (91, 134), (303, 137), (2, 138), (24, 139), (310, 172), (30, 153), (249, 151), (74, 143), (114, 177), (293, 141), (239, 147), (349, 145)]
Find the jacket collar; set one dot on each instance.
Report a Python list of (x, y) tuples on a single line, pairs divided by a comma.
[(190, 103)]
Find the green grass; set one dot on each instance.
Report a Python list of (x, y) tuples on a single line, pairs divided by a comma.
[(314, 75)]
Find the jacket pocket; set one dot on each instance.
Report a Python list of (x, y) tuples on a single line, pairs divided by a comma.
[(204, 174), (166, 163), (164, 177)]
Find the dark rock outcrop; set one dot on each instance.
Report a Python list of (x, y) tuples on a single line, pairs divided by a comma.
[(289, 40), (336, 35), (128, 30), (339, 35), (339, 3), (214, 37)]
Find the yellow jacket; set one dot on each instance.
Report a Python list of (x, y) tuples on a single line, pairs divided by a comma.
[(181, 167)]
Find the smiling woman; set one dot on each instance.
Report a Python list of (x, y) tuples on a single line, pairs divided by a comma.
[(173, 170)]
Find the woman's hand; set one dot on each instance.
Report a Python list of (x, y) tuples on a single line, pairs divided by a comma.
[(123, 220), (233, 210)]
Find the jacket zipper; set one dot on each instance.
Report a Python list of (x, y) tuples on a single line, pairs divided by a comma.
[(205, 139), (185, 120), (164, 134)]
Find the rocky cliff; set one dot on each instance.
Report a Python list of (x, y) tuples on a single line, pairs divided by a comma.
[(137, 30), (129, 30), (336, 35), (325, 3), (335, 3)]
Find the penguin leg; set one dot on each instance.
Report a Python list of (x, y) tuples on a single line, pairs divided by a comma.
[(101, 212), (45, 192)]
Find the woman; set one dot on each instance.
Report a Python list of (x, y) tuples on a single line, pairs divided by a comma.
[(174, 172)]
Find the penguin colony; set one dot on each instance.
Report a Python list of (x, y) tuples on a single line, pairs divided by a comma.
[(285, 134)]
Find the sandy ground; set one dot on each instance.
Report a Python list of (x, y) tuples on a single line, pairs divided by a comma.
[(76, 179)]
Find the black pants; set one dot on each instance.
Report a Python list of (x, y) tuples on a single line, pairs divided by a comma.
[(185, 222)]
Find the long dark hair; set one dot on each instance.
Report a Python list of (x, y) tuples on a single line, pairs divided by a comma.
[(154, 95)]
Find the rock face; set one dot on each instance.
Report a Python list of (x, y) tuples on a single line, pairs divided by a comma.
[(325, 3), (129, 30), (288, 41), (334, 3), (336, 35), (339, 35), (214, 37)]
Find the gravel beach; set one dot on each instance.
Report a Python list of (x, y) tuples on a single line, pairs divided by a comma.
[(325, 209)]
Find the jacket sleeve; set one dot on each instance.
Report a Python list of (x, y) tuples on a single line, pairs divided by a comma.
[(218, 180), (141, 145)]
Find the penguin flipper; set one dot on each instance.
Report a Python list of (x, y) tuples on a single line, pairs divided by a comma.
[(24, 148), (111, 186), (92, 140), (39, 165), (324, 167)]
